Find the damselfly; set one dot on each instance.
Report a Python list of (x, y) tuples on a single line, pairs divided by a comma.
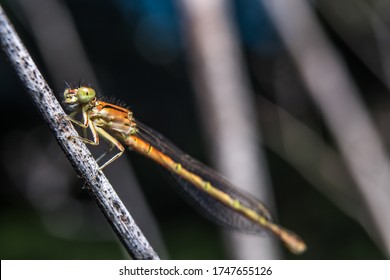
[(219, 199)]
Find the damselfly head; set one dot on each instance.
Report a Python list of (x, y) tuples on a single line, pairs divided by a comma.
[(80, 95)]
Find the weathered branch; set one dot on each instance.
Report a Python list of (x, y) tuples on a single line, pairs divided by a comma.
[(78, 154)]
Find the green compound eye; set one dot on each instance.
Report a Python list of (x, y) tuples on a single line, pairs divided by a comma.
[(85, 94)]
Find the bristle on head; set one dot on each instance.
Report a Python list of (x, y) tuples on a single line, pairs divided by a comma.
[(80, 83)]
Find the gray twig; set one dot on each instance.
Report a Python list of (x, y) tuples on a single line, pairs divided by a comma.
[(78, 154)]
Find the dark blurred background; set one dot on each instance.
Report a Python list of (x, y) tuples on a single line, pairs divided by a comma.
[(153, 56)]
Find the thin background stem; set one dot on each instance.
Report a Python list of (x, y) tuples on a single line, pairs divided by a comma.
[(333, 90), (227, 110)]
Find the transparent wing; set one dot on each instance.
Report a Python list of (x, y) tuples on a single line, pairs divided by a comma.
[(211, 207)]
